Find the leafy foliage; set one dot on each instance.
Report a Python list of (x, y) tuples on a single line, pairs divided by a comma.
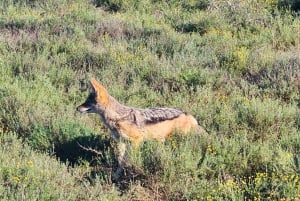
[(233, 64)]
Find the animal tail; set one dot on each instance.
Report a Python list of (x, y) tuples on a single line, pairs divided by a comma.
[(201, 130), (198, 129)]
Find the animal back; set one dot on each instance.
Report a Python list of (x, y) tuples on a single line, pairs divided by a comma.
[(155, 115)]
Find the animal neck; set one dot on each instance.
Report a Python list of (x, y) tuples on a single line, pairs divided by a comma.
[(112, 113)]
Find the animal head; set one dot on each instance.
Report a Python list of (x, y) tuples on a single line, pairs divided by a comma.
[(98, 98)]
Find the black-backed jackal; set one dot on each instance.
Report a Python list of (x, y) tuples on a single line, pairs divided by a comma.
[(136, 124)]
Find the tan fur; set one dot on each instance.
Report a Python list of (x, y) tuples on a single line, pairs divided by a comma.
[(136, 124), (158, 131), (103, 95)]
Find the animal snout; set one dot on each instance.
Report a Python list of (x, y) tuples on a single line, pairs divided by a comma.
[(83, 109)]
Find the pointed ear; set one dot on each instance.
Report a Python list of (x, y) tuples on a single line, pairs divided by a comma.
[(94, 82), (92, 88), (102, 95), (97, 87)]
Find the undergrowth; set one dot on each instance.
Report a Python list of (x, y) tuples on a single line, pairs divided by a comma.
[(233, 64)]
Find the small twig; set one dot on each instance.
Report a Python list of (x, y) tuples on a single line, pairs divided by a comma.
[(89, 149)]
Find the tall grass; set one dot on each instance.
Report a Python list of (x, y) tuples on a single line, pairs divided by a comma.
[(234, 65)]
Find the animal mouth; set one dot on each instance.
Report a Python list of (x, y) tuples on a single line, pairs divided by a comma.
[(84, 110)]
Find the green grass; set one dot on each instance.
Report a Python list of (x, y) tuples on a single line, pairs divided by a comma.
[(234, 65)]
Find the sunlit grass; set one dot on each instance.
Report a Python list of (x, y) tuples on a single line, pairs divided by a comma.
[(233, 65)]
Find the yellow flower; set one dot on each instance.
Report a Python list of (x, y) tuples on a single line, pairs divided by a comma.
[(231, 183), (257, 197), (16, 179), (30, 163), (208, 198), (209, 148)]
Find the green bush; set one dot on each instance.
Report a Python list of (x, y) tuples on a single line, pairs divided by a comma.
[(234, 65), (27, 175)]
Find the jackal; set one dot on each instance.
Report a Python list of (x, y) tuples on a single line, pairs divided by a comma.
[(136, 124)]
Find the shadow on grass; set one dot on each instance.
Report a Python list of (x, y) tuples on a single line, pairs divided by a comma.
[(99, 153), (85, 148)]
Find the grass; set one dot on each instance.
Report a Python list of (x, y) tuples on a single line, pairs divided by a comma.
[(234, 65)]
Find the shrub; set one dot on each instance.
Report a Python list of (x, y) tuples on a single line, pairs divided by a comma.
[(232, 64), (27, 175)]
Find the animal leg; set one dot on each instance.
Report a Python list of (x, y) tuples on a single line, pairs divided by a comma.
[(121, 156)]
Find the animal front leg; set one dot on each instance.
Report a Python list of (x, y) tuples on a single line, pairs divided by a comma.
[(121, 156)]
